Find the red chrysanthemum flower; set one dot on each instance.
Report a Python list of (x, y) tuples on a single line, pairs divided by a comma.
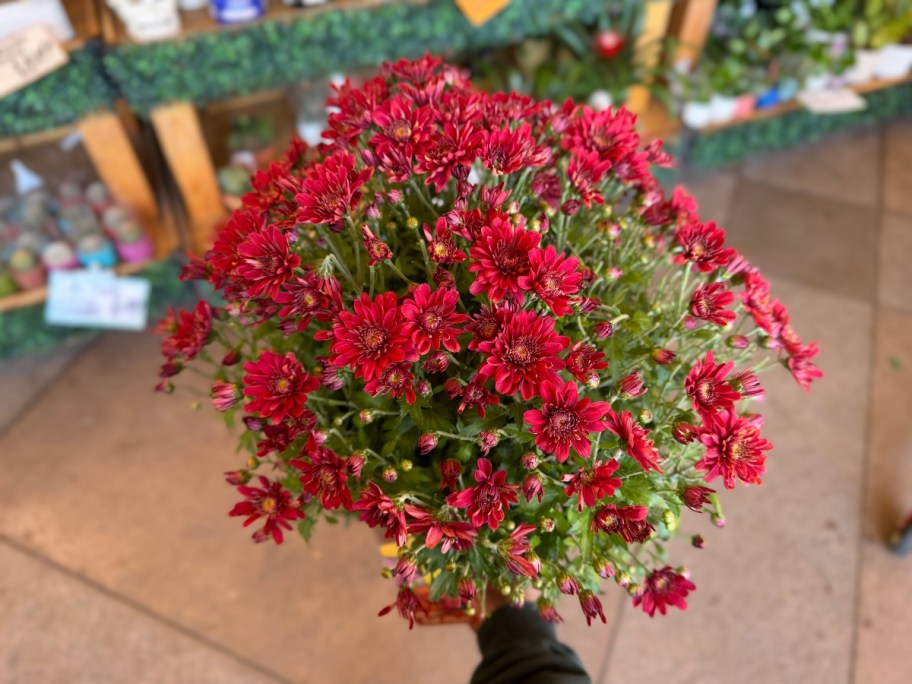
[(329, 190), (430, 319), (266, 264), (734, 449), (524, 355), (377, 250), (475, 395), (189, 332), (514, 547), (452, 533), (450, 470), (441, 246), (401, 124), (500, 258), (456, 146), (704, 245), (586, 171), (395, 380), (634, 439), (277, 385), (270, 501), (487, 324), (487, 500), (505, 151), (372, 338), (707, 386), (709, 301), (224, 257), (584, 362), (378, 509), (310, 296), (224, 395), (592, 484), (628, 521), (591, 607), (553, 277), (802, 368), (610, 132), (565, 420), (664, 588), (696, 497), (325, 475), (407, 603)]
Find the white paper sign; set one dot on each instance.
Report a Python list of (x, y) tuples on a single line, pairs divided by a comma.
[(27, 56), (97, 299), (832, 101)]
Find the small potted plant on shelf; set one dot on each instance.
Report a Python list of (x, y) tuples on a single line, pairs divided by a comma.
[(96, 250), (134, 245), (696, 92), (26, 269), (254, 135), (59, 256), (233, 181)]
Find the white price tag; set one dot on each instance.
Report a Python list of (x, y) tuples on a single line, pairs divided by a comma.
[(97, 299), (833, 101), (28, 55)]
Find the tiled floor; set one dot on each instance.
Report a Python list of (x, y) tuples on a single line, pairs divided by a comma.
[(117, 564)]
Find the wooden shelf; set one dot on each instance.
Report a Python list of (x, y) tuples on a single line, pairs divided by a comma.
[(85, 20), (10, 145), (32, 297), (793, 105), (200, 21)]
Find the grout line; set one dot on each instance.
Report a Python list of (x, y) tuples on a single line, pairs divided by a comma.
[(140, 608), (51, 384), (612, 640), (869, 416)]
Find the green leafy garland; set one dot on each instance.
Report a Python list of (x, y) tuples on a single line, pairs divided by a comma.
[(62, 97), (216, 65)]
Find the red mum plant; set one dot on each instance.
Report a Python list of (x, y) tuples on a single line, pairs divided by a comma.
[(477, 323)]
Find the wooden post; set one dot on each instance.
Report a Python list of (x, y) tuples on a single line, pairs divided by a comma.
[(655, 26), (184, 146), (690, 25), (108, 145)]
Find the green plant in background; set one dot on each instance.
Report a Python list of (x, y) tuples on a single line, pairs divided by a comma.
[(251, 133), (881, 22)]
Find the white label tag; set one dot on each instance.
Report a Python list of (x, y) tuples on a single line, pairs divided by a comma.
[(97, 299), (834, 101), (27, 56)]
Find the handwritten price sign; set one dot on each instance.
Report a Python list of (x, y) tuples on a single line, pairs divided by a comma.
[(97, 299), (28, 55)]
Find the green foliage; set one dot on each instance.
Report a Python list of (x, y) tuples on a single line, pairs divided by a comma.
[(62, 97), (216, 65)]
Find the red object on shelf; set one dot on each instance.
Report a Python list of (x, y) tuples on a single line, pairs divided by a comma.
[(609, 43)]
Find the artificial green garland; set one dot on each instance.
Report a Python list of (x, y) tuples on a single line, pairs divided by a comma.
[(221, 64), (62, 97)]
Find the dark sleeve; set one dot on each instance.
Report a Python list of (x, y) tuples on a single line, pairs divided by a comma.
[(517, 646)]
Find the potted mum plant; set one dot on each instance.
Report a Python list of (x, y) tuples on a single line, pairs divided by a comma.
[(476, 323)]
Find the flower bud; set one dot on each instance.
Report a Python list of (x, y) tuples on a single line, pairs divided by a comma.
[(570, 207), (738, 342), (407, 567), (237, 477), (684, 433), (390, 474), (634, 590), (695, 497), (452, 388), (623, 578), (386, 573), (717, 519), (510, 525), (697, 541), (332, 378), (546, 524), (591, 606), (519, 597), (427, 442), (645, 416), (252, 462), (423, 387), (615, 273), (670, 520), (547, 611), (663, 356), (253, 423), (487, 440), (566, 584), (506, 590), (444, 278), (589, 304), (406, 465), (450, 470), (604, 329), (632, 386), (593, 380), (470, 610), (436, 363), (529, 460), (533, 558), (165, 387), (466, 590), (411, 223), (224, 395), (170, 368), (231, 357), (366, 416), (603, 568), (532, 487), (355, 465)]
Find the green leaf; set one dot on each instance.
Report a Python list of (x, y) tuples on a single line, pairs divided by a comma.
[(305, 527), (443, 585)]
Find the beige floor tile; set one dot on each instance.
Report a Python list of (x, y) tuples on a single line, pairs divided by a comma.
[(813, 241), (127, 490), (843, 167), (895, 284), (58, 630), (897, 172), (776, 588), (713, 191), (885, 617), (26, 377)]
